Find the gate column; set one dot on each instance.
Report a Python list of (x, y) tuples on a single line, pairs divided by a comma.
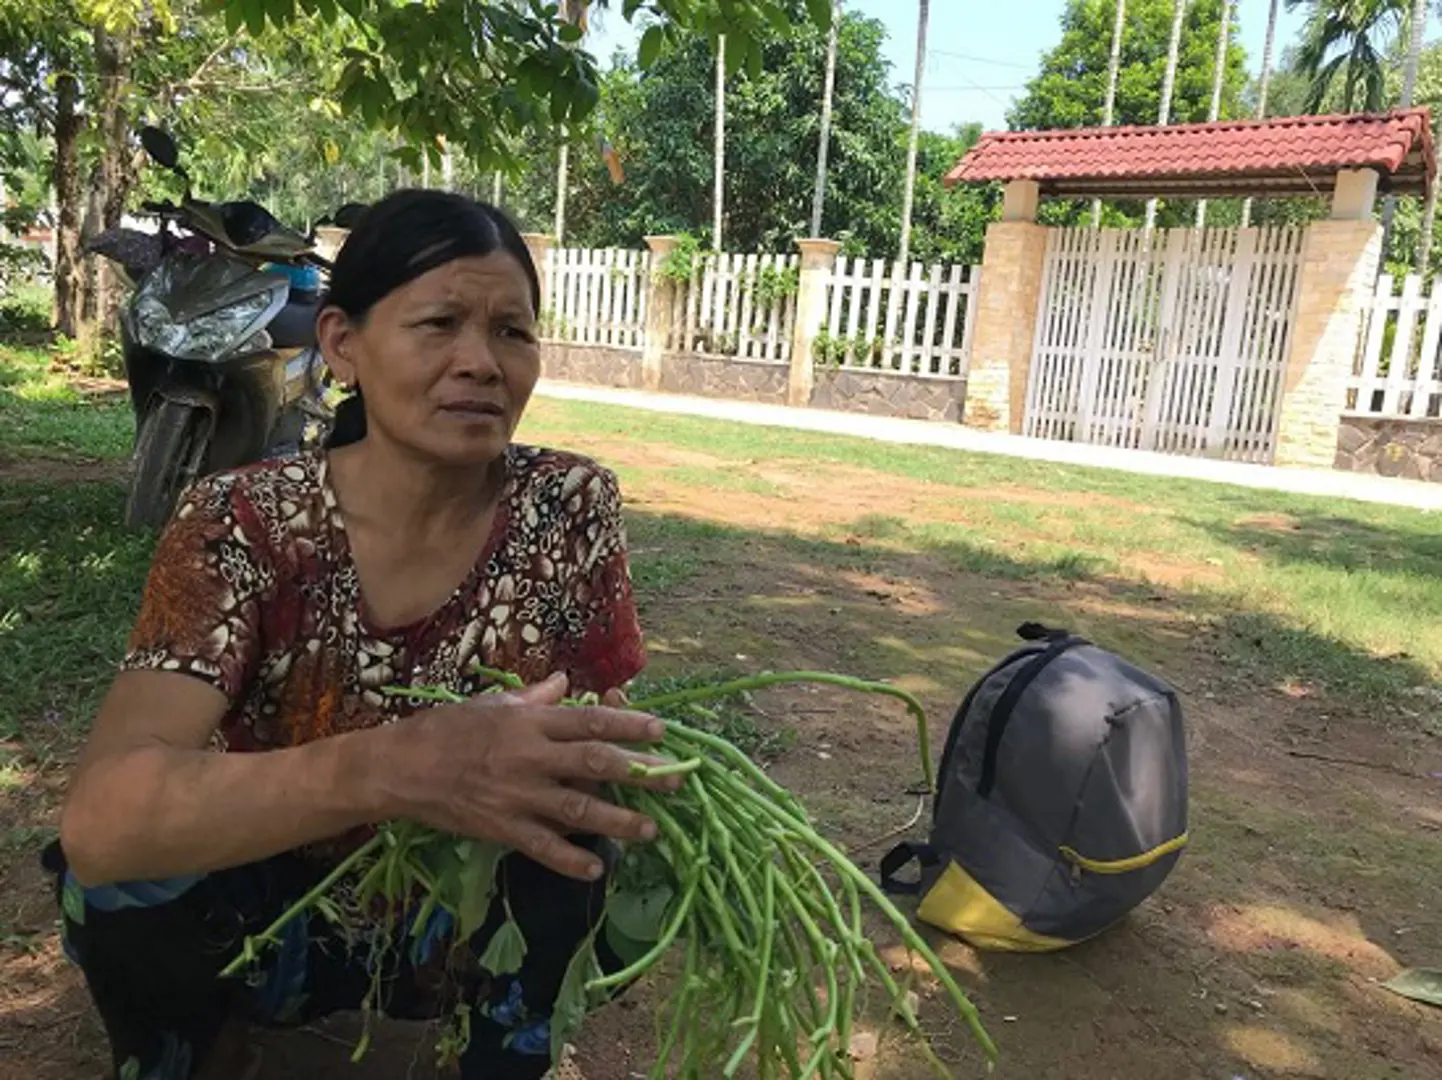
[(1006, 314), (1339, 272)]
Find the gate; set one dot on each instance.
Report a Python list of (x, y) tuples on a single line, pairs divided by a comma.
[(1175, 340)]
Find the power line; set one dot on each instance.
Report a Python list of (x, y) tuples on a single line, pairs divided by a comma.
[(979, 59)]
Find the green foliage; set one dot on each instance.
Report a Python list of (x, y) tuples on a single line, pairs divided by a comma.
[(1342, 51), (659, 117), (682, 262), (774, 285), (484, 75), (1071, 87), (24, 308)]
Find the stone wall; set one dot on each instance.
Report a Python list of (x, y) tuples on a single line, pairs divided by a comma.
[(686, 373), (1391, 446), (598, 365), (884, 394)]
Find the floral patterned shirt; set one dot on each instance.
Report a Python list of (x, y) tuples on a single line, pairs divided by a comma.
[(253, 590)]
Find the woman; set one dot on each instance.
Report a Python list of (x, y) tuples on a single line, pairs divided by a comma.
[(284, 597)]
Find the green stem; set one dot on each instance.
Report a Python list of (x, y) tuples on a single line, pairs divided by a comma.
[(779, 678), (345, 866), (639, 968), (642, 771)]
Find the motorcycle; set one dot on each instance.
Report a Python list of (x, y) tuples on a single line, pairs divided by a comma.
[(218, 338)]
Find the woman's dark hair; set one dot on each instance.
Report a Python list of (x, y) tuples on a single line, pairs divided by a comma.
[(395, 241)]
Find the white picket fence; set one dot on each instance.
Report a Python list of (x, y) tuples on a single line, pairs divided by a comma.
[(596, 297), (1398, 370), (886, 318), (740, 307)]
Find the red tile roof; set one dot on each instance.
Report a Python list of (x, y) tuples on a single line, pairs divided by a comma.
[(1283, 156)]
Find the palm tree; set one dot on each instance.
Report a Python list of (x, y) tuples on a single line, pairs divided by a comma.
[(828, 92), (718, 198), (1416, 27), (1264, 86), (1169, 82), (1345, 41), (572, 11), (1219, 77), (1109, 107), (923, 17)]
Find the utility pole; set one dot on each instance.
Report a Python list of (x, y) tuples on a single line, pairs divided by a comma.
[(1169, 80), (907, 200), (1266, 84), (1215, 109), (1109, 107), (828, 90), (719, 197)]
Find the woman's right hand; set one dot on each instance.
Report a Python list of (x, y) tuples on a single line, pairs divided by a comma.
[(519, 768)]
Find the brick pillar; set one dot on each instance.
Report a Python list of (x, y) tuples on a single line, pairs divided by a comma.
[(1339, 271), (1005, 314), (818, 264), (660, 297), (538, 244)]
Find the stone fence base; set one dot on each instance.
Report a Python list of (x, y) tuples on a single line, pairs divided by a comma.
[(1391, 446), (879, 393)]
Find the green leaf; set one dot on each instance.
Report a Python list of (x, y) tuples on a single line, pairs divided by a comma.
[(506, 950), (650, 47), (131, 1069), (479, 859), (640, 914), (820, 12), (737, 46), (327, 9), (72, 899), (627, 948), (569, 1011), (255, 17), (234, 17), (570, 33), (560, 100), (1419, 984)]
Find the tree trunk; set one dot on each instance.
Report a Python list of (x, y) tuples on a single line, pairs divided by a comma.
[(1169, 82), (908, 197), (1264, 87), (563, 173), (1424, 240), (1109, 107), (69, 282), (116, 171), (1214, 110), (718, 197), (828, 93), (1417, 25)]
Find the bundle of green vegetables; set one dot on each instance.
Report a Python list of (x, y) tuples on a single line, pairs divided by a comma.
[(764, 913)]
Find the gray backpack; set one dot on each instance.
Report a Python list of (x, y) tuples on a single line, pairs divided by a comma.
[(1061, 799)]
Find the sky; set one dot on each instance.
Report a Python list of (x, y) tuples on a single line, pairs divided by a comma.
[(979, 52)]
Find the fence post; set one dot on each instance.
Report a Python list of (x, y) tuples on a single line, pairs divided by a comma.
[(660, 292), (538, 244), (818, 264), (1338, 274)]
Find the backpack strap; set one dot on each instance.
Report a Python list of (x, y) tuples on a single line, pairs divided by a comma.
[(899, 858), (1006, 704)]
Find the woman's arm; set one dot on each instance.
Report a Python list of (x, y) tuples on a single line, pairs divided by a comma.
[(150, 801)]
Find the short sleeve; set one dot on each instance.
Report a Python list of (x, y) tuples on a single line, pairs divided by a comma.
[(607, 651), (200, 614)]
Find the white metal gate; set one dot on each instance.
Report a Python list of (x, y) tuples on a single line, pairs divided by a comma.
[(1174, 341)]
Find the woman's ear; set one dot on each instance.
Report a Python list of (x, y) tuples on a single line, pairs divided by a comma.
[(335, 334)]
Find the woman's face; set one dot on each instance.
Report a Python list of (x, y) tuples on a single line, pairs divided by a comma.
[(447, 361)]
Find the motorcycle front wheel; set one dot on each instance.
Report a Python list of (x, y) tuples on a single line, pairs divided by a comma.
[(168, 456)]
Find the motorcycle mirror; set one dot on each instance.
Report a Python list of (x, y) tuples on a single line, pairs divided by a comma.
[(161, 147)]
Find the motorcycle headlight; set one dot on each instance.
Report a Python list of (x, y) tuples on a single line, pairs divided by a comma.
[(191, 313)]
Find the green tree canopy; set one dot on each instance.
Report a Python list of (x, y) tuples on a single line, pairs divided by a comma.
[(1071, 87), (661, 120)]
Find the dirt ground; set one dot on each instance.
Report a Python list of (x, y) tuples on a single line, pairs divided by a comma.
[(1314, 872)]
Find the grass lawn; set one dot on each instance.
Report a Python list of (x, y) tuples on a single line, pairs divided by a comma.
[(1304, 633)]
